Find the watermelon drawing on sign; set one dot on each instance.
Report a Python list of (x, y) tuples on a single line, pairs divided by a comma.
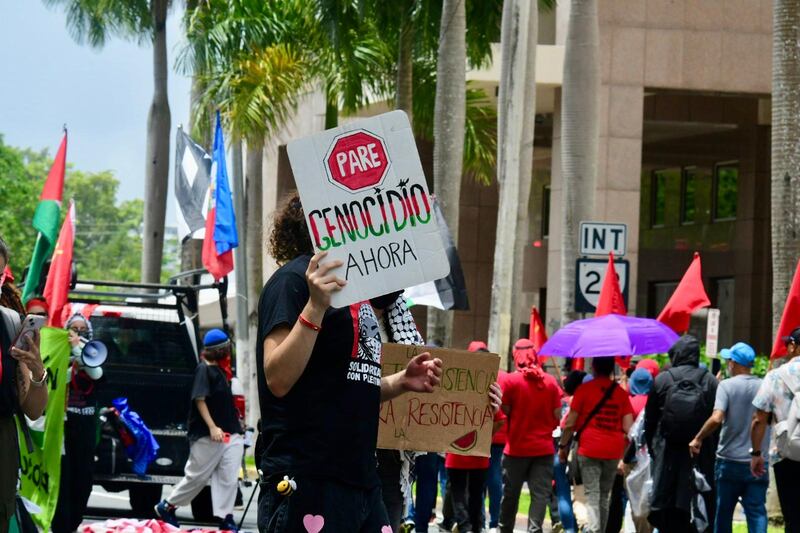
[(467, 442)]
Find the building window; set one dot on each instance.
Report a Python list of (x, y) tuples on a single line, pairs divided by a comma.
[(726, 190), (658, 195), (546, 211), (688, 195), (660, 293)]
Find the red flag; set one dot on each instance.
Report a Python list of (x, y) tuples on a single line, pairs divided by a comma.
[(54, 186), (611, 300), (790, 318), (537, 333), (689, 296), (60, 275), (218, 265)]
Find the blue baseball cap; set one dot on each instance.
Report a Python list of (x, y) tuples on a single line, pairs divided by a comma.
[(640, 382), (741, 353), (215, 338)]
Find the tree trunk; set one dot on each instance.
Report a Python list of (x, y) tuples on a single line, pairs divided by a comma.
[(517, 117), (448, 135), (404, 92), (785, 194), (331, 109), (156, 177), (255, 275), (579, 139)]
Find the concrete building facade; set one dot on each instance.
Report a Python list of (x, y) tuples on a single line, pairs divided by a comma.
[(683, 161)]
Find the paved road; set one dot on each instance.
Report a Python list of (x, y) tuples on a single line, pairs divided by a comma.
[(104, 505)]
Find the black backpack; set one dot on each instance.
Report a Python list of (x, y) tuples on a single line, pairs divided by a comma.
[(685, 409)]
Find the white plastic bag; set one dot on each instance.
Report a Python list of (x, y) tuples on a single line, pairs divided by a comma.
[(639, 484), (699, 515)]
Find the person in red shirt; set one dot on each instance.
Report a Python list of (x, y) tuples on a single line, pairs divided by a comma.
[(494, 477), (467, 476), (532, 402), (600, 415)]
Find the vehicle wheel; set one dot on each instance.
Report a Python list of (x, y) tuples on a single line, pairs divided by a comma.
[(143, 497), (202, 510)]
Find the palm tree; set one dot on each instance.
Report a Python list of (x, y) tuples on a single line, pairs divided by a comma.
[(448, 134), (248, 67), (579, 138), (785, 152), (404, 96), (95, 21), (516, 119), (353, 56)]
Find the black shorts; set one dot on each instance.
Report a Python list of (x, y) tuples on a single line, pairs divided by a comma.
[(321, 506)]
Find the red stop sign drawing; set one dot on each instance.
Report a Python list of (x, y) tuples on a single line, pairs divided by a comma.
[(356, 160)]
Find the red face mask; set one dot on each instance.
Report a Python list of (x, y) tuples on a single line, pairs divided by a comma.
[(225, 366)]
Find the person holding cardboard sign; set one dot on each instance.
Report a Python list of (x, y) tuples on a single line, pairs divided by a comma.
[(320, 389)]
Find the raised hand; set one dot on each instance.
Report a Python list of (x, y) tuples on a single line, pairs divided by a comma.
[(31, 357), (423, 373), (321, 283), (495, 397)]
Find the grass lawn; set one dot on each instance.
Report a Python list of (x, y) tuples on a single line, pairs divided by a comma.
[(741, 527)]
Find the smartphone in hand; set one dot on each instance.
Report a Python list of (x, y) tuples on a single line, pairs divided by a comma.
[(30, 326)]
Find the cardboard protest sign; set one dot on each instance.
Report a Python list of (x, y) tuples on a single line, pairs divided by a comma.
[(366, 202), (455, 417)]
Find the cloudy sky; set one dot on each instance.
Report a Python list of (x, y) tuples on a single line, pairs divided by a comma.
[(102, 95)]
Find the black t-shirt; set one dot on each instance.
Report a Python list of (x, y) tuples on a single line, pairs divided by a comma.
[(327, 425), (210, 383), (82, 390), (7, 380)]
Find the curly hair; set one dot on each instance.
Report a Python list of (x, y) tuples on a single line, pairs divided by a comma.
[(11, 297), (9, 293), (289, 237)]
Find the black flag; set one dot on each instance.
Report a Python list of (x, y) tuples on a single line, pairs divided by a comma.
[(192, 179)]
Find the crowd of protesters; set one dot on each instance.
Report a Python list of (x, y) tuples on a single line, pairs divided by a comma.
[(640, 447), (703, 441), (638, 442)]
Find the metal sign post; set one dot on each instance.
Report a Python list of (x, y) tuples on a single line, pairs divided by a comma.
[(712, 333)]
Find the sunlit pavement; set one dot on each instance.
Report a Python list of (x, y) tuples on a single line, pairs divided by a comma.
[(104, 505)]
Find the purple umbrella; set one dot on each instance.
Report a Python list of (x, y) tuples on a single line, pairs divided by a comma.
[(610, 335)]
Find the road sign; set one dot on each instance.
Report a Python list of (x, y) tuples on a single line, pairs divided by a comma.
[(712, 332), (600, 238), (589, 274), (356, 160)]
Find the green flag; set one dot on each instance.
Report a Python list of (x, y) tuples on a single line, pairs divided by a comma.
[(41, 469), (46, 221)]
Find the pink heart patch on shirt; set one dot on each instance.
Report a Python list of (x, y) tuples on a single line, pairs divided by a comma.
[(313, 523), (386, 529)]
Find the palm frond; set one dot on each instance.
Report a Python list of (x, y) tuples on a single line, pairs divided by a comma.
[(480, 132), (94, 21)]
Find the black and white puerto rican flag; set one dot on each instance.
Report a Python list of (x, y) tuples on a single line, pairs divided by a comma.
[(448, 293), (192, 179)]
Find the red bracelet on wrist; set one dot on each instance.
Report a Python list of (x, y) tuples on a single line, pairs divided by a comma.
[(307, 323)]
